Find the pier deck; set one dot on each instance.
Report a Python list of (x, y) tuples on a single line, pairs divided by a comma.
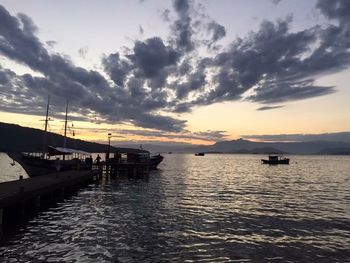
[(18, 194)]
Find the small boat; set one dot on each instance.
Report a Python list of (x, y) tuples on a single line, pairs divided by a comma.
[(276, 159), (199, 154)]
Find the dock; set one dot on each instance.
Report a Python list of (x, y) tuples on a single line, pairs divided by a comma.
[(27, 195), (117, 168), (24, 197)]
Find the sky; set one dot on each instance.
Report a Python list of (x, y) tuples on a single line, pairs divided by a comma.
[(178, 70)]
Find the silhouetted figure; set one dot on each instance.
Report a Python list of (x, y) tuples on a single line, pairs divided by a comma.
[(98, 160)]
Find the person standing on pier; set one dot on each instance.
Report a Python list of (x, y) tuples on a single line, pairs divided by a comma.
[(98, 160)]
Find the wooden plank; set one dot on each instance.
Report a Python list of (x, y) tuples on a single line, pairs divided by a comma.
[(18, 191)]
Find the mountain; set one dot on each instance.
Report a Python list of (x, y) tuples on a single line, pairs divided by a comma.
[(158, 147), (335, 151), (246, 146), (15, 138), (282, 147), (242, 146)]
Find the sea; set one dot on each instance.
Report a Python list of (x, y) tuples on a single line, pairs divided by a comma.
[(215, 208)]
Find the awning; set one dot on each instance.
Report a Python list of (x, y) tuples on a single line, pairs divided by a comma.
[(64, 151)]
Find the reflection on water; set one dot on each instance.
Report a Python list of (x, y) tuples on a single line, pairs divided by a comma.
[(212, 208)]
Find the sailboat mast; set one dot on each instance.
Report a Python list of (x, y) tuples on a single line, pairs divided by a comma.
[(65, 130), (46, 124), (65, 127)]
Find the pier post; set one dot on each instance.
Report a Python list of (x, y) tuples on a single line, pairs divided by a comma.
[(23, 208), (1, 216), (37, 202)]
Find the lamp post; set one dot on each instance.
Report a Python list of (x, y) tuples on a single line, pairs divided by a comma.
[(109, 145)]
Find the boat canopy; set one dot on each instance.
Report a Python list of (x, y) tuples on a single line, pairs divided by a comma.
[(64, 151)]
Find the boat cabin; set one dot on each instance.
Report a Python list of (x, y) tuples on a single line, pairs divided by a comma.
[(276, 159)]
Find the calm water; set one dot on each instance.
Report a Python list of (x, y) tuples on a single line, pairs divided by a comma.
[(211, 209)]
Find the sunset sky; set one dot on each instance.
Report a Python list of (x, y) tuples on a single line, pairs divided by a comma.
[(180, 71)]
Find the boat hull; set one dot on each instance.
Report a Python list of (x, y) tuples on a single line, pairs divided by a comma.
[(36, 166), (154, 161), (283, 161)]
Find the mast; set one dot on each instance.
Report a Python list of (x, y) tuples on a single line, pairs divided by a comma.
[(65, 129), (46, 124)]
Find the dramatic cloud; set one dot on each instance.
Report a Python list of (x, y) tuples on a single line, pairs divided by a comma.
[(335, 9), (117, 68), (150, 82), (334, 137), (151, 56), (182, 27), (209, 135), (89, 92)]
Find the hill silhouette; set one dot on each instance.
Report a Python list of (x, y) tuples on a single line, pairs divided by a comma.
[(252, 147), (15, 138)]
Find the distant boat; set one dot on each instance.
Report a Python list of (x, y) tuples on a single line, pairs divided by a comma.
[(199, 154), (170, 152), (275, 159)]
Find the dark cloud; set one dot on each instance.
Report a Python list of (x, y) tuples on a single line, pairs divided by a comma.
[(151, 56), (335, 137), (335, 9), (264, 108), (156, 77), (116, 68), (205, 136), (277, 65), (193, 82), (217, 31), (278, 91), (90, 93), (182, 28)]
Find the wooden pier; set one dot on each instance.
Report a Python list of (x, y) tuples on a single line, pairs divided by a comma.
[(27, 195), (127, 169)]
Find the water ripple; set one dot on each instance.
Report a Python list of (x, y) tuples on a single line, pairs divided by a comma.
[(221, 208)]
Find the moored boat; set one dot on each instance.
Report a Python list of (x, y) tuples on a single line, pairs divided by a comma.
[(275, 159), (155, 160), (53, 159), (132, 158), (57, 159)]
